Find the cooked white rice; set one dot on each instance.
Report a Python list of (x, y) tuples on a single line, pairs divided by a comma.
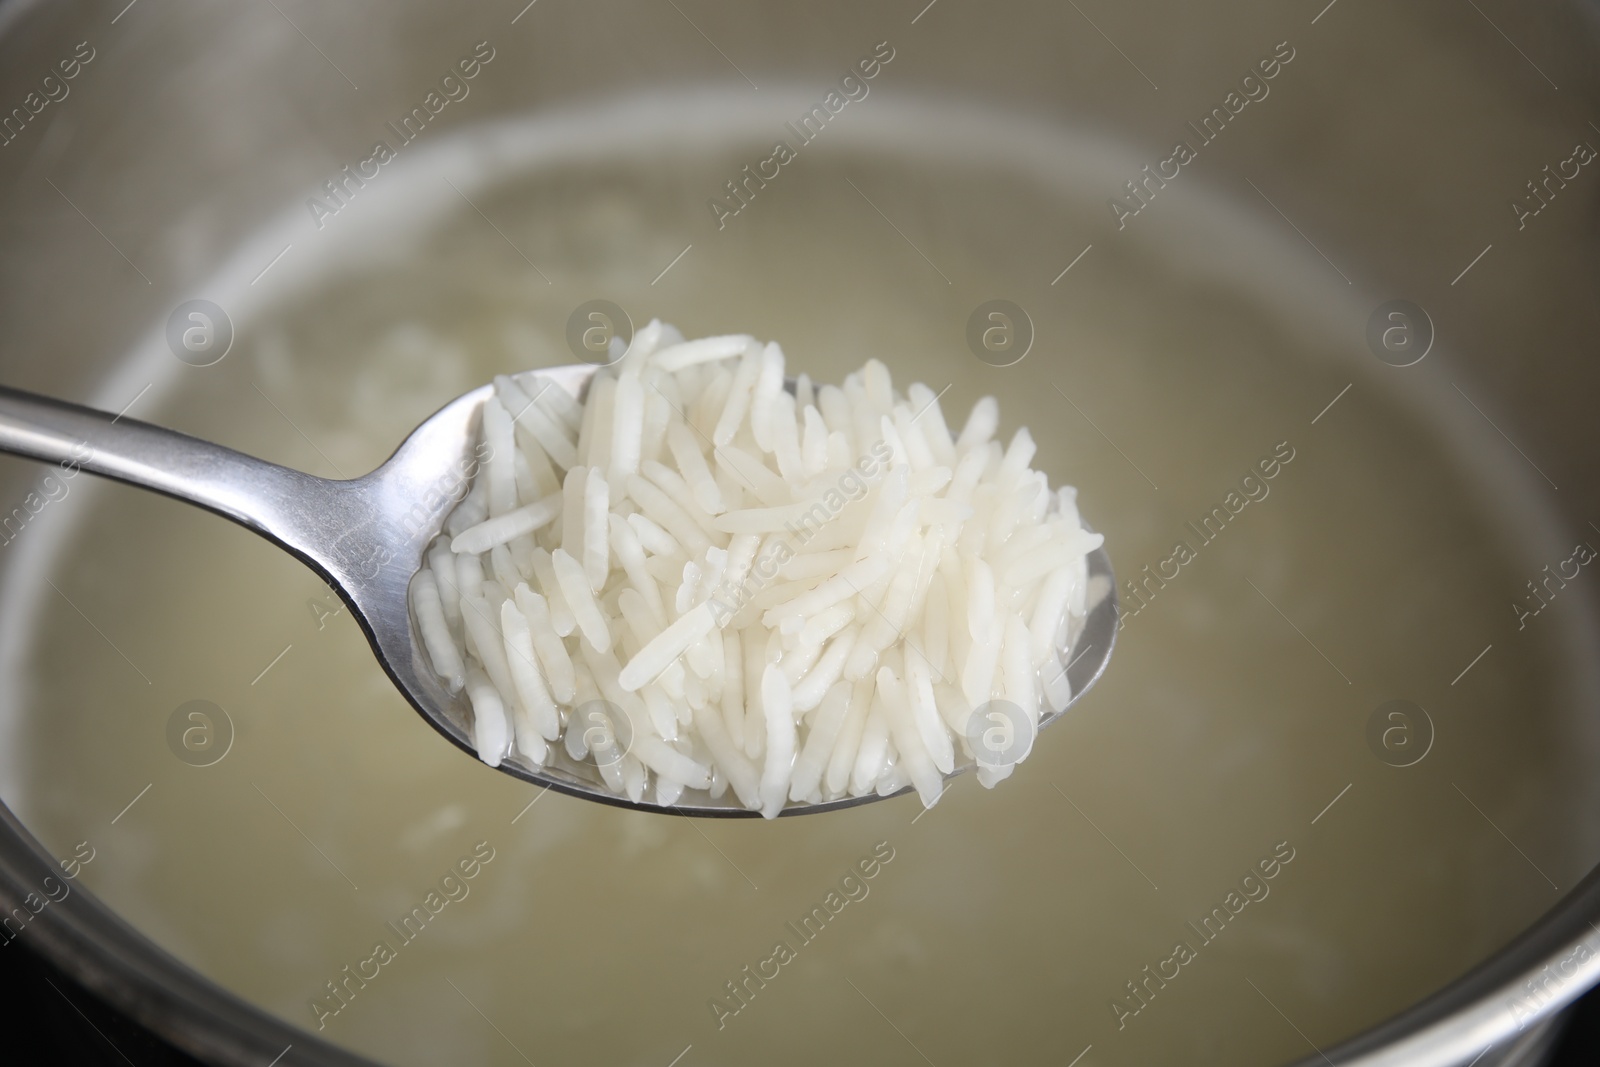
[(700, 581)]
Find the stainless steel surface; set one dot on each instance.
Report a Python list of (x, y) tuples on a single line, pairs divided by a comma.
[(1397, 152), (366, 537)]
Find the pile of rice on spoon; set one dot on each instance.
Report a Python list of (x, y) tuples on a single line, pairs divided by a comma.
[(699, 579)]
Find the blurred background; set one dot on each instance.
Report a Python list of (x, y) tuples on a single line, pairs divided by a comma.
[(1377, 256)]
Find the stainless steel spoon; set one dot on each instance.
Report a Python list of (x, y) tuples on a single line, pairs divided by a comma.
[(366, 537)]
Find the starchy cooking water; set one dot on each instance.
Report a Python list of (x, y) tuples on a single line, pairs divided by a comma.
[(1159, 880)]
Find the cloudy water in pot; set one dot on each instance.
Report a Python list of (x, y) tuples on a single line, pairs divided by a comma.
[(1285, 801)]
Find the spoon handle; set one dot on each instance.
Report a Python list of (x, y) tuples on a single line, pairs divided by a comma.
[(262, 496)]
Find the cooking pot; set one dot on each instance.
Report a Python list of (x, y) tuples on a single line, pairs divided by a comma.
[(1297, 294)]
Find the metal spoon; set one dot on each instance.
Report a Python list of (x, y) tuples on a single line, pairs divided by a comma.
[(366, 537)]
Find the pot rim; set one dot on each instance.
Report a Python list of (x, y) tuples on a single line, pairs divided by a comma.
[(1506, 997), (104, 954), (1522, 986)]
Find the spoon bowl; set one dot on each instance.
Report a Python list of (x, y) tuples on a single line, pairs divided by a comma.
[(366, 538)]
